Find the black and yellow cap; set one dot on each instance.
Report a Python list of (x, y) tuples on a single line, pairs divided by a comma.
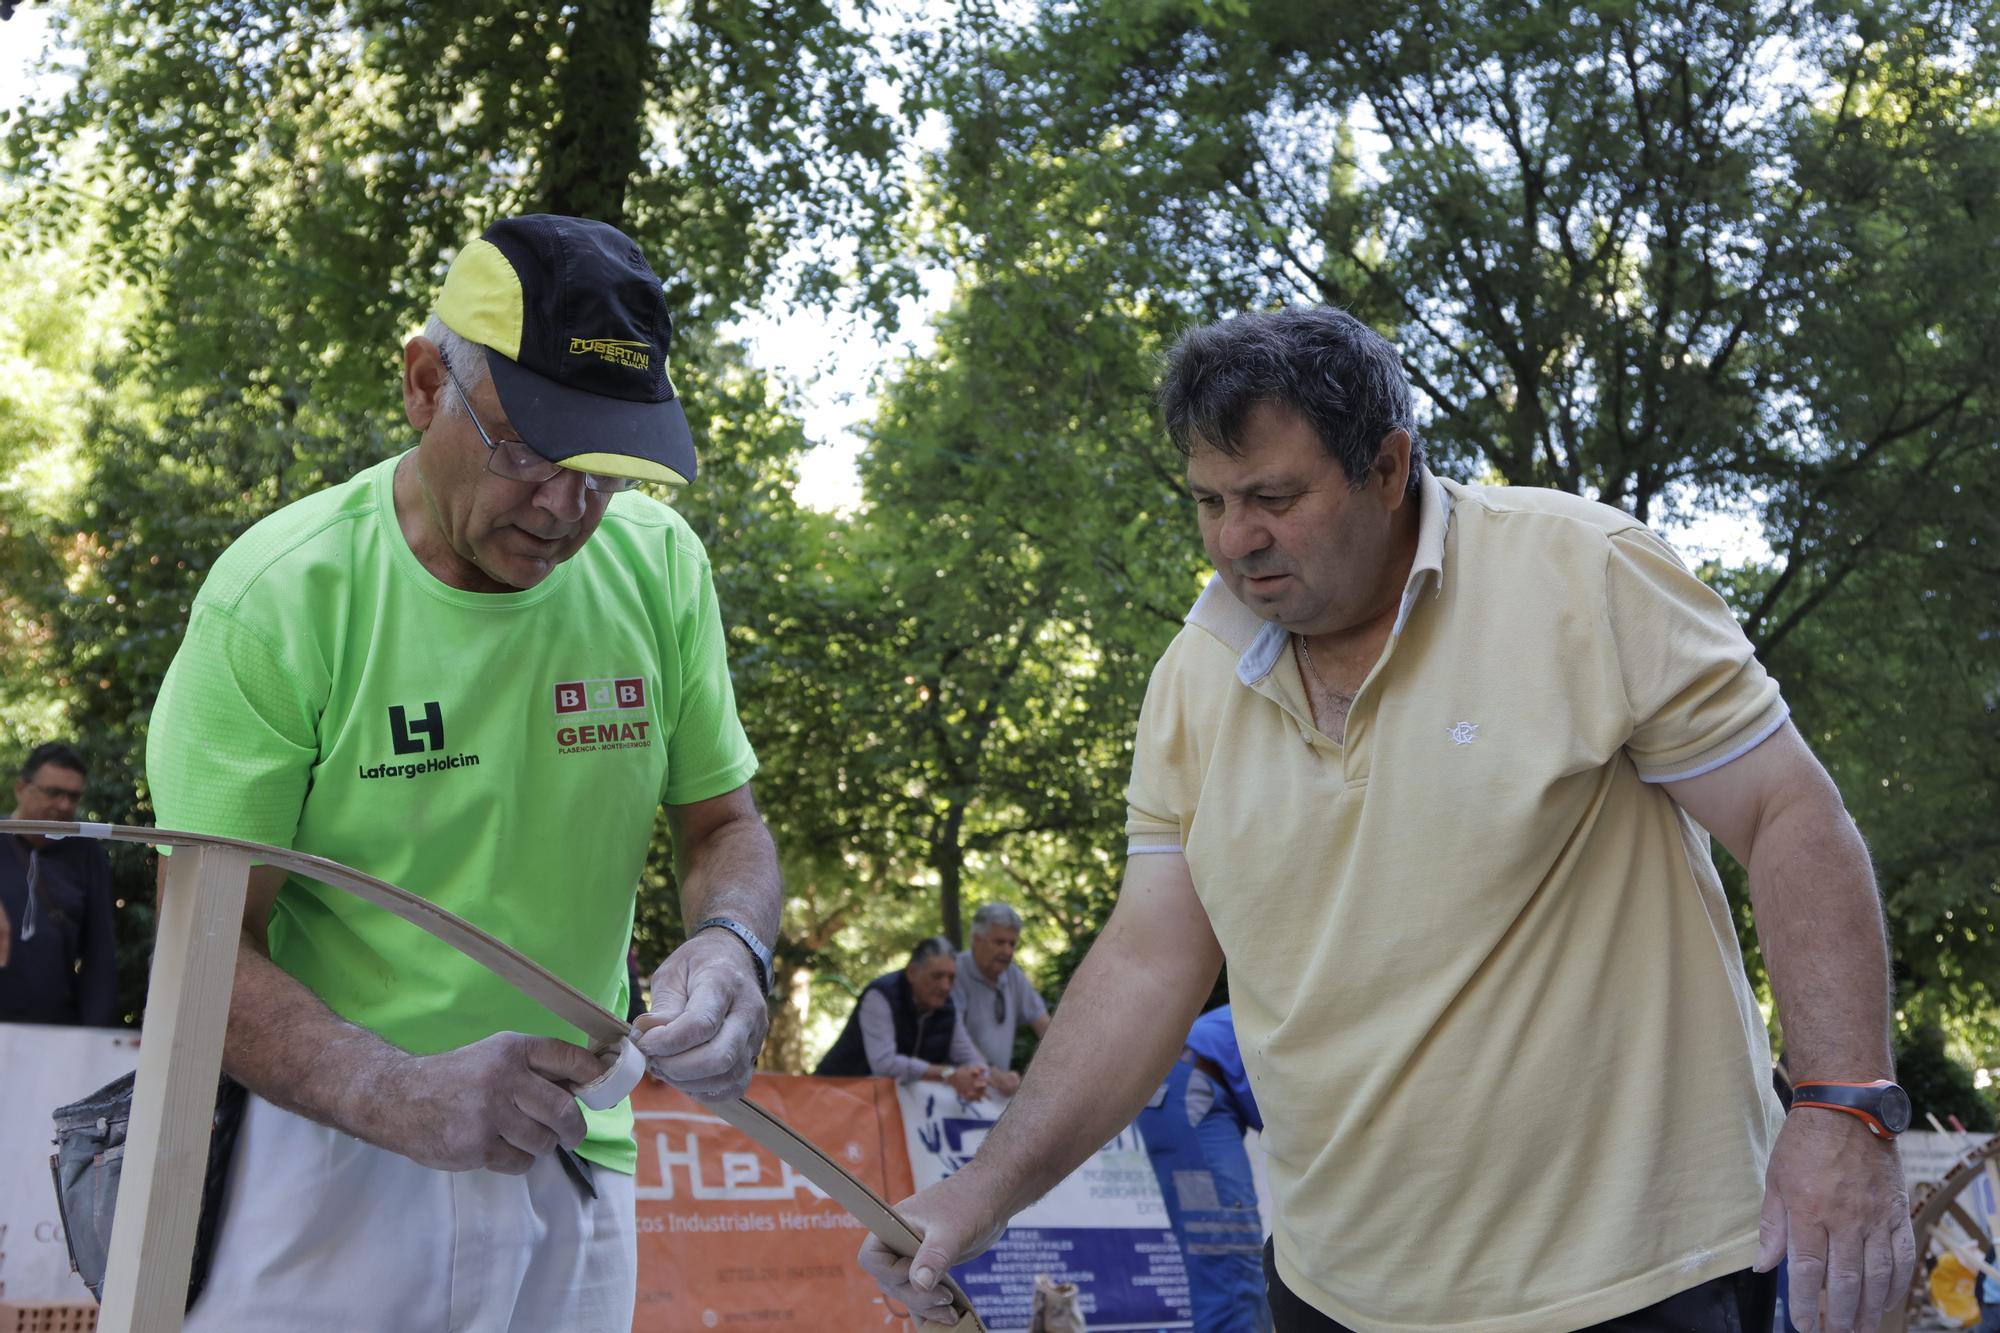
[(576, 330)]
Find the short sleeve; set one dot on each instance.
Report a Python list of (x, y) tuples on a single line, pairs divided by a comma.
[(1028, 1003), (1697, 695), (1166, 762), (233, 735), (708, 753)]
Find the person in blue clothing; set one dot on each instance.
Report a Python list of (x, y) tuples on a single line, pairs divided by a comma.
[(1194, 1128)]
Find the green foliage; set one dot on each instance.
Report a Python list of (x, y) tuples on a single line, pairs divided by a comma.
[(1939, 1085)]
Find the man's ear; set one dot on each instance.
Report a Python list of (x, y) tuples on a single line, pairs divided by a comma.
[(1391, 469), (423, 383)]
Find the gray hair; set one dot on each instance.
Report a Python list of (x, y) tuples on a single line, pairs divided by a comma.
[(465, 357), (931, 948), (995, 914), (1344, 378)]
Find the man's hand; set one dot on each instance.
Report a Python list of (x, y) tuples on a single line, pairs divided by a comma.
[(1006, 1082), (1834, 1204), (708, 1018), (969, 1081), (958, 1219), (499, 1103)]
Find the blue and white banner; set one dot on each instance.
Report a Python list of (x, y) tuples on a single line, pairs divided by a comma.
[(1104, 1228)]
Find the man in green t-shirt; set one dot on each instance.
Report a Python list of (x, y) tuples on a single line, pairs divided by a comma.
[(476, 670)]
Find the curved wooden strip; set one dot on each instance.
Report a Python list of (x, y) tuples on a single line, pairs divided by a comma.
[(784, 1142), (604, 1029)]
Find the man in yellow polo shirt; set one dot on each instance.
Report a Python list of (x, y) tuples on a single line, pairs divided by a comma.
[(1434, 769)]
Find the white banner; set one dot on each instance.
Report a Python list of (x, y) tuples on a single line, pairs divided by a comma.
[(1928, 1155), (42, 1068), (1104, 1228)]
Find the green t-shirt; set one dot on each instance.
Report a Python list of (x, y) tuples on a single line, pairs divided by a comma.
[(504, 755)]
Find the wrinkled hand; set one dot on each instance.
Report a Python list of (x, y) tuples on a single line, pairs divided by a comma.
[(969, 1081), (499, 1103), (708, 1019), (1834, 1204), (958, 1220), (1006, 1082)]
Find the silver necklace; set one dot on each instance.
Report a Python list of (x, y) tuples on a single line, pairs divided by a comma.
[(1305, 655)]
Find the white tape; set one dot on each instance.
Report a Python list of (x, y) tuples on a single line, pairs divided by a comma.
[(83, 830), (615, 1084)]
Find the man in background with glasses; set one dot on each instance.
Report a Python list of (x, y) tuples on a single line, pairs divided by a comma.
[(476, 670), (57, 960), (995, 995)]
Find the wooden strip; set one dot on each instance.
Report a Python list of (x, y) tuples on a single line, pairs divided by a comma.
[(173, 1103), (1967, 1253), (773, 1134), (1993, 1188)]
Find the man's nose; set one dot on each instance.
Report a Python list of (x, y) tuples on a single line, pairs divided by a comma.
[(563, 495), (1241, 532)]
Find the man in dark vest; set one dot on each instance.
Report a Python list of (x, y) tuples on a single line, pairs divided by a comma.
[(907, 1028)]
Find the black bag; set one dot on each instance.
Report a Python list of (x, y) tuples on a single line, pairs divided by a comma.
[(90, 1159)]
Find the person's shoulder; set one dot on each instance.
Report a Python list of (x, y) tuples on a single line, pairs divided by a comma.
[(649, 529), (292, 540), (1539, 511)]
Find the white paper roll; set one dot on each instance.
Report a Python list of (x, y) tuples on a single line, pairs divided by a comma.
[(615, 1084)]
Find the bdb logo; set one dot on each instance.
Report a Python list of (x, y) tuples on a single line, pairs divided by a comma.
[(405, 734), (604, 695)]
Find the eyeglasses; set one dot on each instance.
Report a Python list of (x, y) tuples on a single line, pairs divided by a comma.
[(516, 460), (999, 1007), (58, 793)]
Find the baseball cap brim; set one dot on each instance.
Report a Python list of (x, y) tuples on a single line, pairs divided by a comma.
[(594, 433)]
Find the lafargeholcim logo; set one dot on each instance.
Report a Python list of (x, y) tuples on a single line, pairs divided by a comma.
[(430, 725), (417, 729), (603, 713)]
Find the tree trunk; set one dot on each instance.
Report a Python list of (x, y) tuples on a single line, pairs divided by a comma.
[(592, 151), (948, 857), (785, 1048)]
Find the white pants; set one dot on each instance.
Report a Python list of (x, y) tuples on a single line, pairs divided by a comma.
[(323, 1232)]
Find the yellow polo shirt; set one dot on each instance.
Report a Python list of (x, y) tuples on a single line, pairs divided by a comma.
[(1485, 979)]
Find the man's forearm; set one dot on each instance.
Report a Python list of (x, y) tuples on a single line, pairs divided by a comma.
[(286, 1046), (1819, 920), (733, 872)]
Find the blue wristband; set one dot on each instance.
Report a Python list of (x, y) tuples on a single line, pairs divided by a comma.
[(759, 952)]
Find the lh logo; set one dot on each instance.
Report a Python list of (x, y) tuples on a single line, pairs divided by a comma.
[(406, 734), (1464, 733)]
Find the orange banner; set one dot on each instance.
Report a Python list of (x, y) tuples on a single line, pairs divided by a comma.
[(730, 1237)]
